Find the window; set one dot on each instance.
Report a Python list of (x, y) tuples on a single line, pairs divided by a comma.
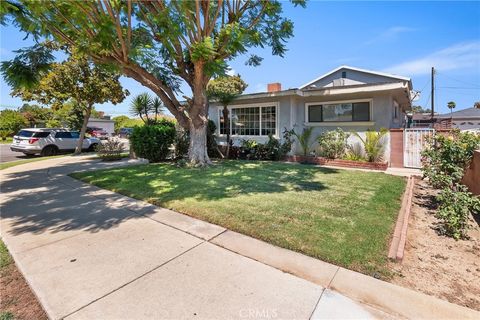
[(344, 74), (42, 134), (339, 112), (63, 134), (250, 121), (75, 134)]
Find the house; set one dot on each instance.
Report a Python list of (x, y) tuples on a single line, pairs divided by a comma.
[(466, 119), (104, 123), (350, 98)]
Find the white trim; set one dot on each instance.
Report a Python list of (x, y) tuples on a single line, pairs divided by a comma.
[(370, 101), (276, 105), (355, 69)]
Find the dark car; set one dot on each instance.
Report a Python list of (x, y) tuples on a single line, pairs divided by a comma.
[(125, 132)]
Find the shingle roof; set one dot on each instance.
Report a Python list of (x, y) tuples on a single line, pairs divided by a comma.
[(465, 113)]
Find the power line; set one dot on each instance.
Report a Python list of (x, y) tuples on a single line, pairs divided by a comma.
[(461, 81)]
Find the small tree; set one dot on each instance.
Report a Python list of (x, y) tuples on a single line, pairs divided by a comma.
[(225, 90), (75, 80), (451, 105), (11, 122), (305, 139)]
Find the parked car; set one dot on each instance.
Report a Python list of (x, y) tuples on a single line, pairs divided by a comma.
[(125, 132), (97, 133), (49, 142)]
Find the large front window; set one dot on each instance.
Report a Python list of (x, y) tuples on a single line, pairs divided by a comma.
[(250, 121), (339, 112)]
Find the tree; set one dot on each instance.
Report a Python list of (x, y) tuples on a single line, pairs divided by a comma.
[(35, 114), (11, 122), (78, 81), (225, 89), (161, 43), (420, 109), (451, 105), (143, 106)]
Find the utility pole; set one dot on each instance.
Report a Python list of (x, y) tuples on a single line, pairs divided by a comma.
[(433, 95)]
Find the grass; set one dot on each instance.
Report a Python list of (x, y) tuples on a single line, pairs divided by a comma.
[(5, 258), (10, 164), (7, 141), (340, 216)]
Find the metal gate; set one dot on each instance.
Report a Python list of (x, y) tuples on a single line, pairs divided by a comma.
[(414, 141)]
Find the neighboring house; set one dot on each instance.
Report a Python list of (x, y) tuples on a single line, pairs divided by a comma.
[(104, 123), (421, 120), (466, 119), (349, 98)]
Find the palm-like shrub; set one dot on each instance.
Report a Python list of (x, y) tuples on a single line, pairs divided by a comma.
[(305, 139), (373, 144)]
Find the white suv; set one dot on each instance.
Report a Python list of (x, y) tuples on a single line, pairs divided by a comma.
[(49, 142)]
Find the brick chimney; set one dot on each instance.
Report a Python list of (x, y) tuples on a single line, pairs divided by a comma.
[(274, 87)]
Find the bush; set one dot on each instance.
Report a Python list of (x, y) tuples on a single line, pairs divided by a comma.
[(455, 206), (153, 142), (212, 147), (373, 144), (333, 143), (271, 150), (355, 152), (11, 122), (110, 150), (446, 158)]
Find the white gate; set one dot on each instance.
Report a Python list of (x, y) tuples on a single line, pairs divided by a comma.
[(414, 141)]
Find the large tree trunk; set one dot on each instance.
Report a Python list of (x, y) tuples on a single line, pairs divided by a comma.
[(197, 151), (88, 111)]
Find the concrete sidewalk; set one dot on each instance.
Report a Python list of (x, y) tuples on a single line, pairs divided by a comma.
[(89, 253)]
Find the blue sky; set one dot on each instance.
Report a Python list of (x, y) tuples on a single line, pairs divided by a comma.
[(405, 38)]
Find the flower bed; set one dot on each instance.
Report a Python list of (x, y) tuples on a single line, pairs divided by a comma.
[(338, 162)]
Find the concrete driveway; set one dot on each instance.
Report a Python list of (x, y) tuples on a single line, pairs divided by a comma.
[(89, 253)]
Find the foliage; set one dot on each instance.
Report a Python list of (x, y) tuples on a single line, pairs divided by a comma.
[(447, 156), (420, 109), (153, 142), (451, 105), (305, 139), (287, 142), (333, 143), (373, 144), (160, 44), (226, 88), (456, 204), (146, 107), (110, 150), (11, 122), (355, 152), (126, 122), (271, 150), (36, 115)]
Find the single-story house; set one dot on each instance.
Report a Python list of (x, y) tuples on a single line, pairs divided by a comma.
[(466, 119), (349, 98), (104, 123)]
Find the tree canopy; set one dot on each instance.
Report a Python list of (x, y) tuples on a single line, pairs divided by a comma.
[(161, 43), (226, 88)]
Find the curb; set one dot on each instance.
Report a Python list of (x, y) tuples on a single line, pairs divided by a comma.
[(397, 245)]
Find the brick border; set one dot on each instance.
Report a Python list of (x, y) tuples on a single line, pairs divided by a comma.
[(397, 245), (381, 166)]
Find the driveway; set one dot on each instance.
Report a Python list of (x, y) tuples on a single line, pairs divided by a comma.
[(89, 253)]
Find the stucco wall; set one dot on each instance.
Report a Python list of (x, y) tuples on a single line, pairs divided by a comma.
[(292, 115)]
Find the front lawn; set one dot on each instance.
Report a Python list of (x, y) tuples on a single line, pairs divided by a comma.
[(341, 216)]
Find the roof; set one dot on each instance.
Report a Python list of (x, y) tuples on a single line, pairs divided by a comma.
[(356, 69), (465, 113)]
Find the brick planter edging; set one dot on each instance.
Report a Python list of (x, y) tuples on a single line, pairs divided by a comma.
[(397, 245), (338, 162)]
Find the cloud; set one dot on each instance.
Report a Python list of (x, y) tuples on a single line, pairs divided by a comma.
[(389, 34), (463, 55)]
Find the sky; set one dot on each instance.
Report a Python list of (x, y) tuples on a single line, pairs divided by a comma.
[(404, 38)]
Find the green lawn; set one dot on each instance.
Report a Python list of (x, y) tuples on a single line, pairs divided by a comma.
[(10, 164), (341, 216)]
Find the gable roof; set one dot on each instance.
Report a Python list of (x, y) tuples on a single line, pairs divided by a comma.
[(355, 69)]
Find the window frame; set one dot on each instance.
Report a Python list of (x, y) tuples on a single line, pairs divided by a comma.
[(330, 123), (249, 105)]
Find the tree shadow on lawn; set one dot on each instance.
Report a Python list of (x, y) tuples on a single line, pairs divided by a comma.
[(42, 200), (162, 183)]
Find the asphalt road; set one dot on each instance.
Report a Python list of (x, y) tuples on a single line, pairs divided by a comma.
[(6, 155)]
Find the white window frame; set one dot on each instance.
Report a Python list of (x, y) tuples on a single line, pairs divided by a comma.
[(250, 105), (339, 123)]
